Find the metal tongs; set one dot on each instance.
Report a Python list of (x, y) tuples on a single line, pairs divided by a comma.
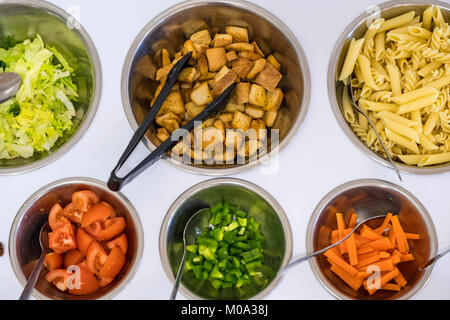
[(116, 183)]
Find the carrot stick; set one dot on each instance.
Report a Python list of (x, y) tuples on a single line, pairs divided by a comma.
[(365, 250), (384, 254), (362, 275), (352, 250), (384, 265), (352, 281), (407, 257), (369, 233), (360, 241), (396, 257), (384, 225), (340, 262), (393, 238), (391, 287), (380, 244), (385, 278), (412, 236), (368, 261), (400, 280), (403, 246), (352, 222), (341, 229), (364, 256)]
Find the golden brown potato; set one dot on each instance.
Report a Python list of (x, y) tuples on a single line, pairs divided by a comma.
[(240, 47), (233, 139), (242, 92), (174, 103), (274, 100), (241, 121), (165, 58), (222, 40), (226, 157), (223, 80), (231, 106), (258, 95), (189, 47), (250, 55), (269, 78), (271, 59), (226, 117), (201, 95), (201, 38), (219, 125), (232, 55), (254, 111), (208, 138), (270, 117), (162, 134), (203, 65), (239, 34), (163, 72), (217, 58), (260, 127), (188, 75), (257, 68), (193, 109), (242, 67), (258, 49)]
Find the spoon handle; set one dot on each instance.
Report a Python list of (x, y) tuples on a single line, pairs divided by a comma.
[(434, 259), (26, 293), (173, 296)]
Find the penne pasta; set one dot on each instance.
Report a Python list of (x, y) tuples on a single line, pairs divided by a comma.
[(364, 64), (397, 21), (433, 159), (418, 104), (350, 59)]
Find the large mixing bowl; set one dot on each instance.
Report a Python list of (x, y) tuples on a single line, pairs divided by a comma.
[(172, 27), (23, 19), (356, 30)]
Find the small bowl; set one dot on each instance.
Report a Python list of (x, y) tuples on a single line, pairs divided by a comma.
[(356, 30), (414, 217), (23, 19), (250, 198), (24, 249), (170, 29)]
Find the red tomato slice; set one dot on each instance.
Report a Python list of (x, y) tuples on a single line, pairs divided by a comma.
[(100, 212), (73, 258), (84, 200), (121, 242), (59, 278), (53, 261), (96, 257), (83, 241), (111, 228), (88, 283), (113, 265), (72, 214), (56, 217), (63, 239)]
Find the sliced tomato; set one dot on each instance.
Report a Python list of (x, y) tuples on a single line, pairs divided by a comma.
[(121, 242), (98, 213), (103, 282), (73, 215), (113, 265), (73, 258), (53, 261), (108, 230), (84, 200), (96, 257), (83, 241), (88, 283), (59, 278), (56, 217), (63, 239)]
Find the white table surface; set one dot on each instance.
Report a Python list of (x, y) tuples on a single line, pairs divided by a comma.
[(307, 172)]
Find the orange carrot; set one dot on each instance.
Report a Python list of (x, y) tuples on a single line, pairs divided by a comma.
[(391, 287), (369, 233), (412, 236), (341, 229), (385, 278), (340, 262), (384, 225), (393, 238), (368, 261), (380, 244), (362, 275), (396, 257), (360, 241), (352, 281), (365, 250), (384, 265), (352, 222), (384, 254), (400, 280), (352, 251), (407, 257), (364, 256), (403, 246)]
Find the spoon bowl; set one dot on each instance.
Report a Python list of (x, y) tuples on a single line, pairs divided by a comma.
[(9, 85)]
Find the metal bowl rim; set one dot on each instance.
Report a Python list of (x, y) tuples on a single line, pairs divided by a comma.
[(242, 4), (94, 103), (66, 182), (384, 7), (372, 183), (226, 182)]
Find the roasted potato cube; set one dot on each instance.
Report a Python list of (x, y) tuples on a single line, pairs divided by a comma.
[(233, 139), (222, 40), (202, 38), (258, 49), (242, 67), (201, 49), (209, 76), (233, 107), (174, 103), (241, 121), (198, 155), (274, 100), (163, 72), (219, 125), (239, 34), (189, 47), (250, 55), (201, 95), (193, 109), (232, 55), (180, 148), (242, 92), (270, 117), (217, 58), (258, 95), (223, 80), (165, 58), (254, 111), (162, 134), (249, 148), (208, 138), (226, 157), (260, 127), (202, 63), (257, 68), (273, 61), (240, 47), (170, 121), (226, 117), (187, 75), (269, 78)]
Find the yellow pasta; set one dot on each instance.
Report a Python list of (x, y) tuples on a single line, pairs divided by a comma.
[(418, 104), (350, 59), (397, 21)]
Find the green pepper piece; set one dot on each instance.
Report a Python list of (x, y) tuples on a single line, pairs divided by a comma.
[(217, 234), (207, 265), (217, 284), (215, 273), (242, 221), (240, 245), (232, 226), (222, 253), (251, 255), (241, 214), (192, 248), (198, 272)]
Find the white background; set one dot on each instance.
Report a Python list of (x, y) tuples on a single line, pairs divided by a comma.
[(316, 161)]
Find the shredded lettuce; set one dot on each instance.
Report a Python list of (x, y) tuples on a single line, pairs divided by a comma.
[(43, 108)]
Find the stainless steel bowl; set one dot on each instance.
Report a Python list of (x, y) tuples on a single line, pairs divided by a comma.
[(257, 202), (23, 19), (356, 30), (24, 249), (413, 216), (170, 29)]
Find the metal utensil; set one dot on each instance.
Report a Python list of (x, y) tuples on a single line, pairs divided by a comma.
[(43, 240), (194, 227), (116, 183), (433, 260), (355, 105), (9, 85)]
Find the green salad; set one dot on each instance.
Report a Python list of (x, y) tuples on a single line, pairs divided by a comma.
[(42, 110), (228, 254)]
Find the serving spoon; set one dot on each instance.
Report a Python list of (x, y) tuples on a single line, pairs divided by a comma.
[(31, 282), (433, 260), (9, 85)]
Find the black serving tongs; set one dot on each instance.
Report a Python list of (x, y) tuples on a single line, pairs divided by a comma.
[(116, 183)]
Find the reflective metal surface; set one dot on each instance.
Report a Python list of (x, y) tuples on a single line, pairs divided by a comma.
[(24, 250), (257, 203), (23, 19), (171, 28), (356, 30), (372, 195), (9, 85)]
